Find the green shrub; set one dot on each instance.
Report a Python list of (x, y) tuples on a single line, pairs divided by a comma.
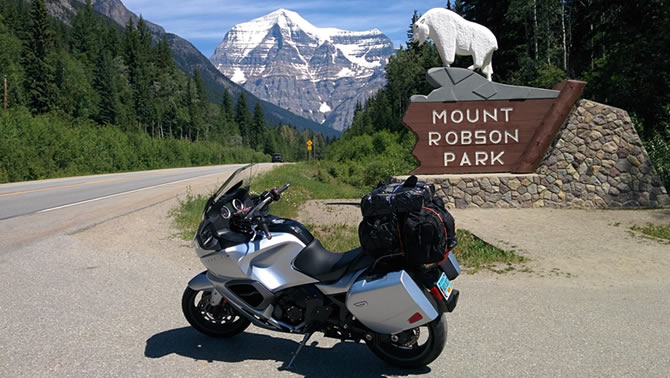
[(364, 160), (39, 147), (659, 153)]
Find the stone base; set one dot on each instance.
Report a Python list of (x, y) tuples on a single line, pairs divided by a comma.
[(596, 160)]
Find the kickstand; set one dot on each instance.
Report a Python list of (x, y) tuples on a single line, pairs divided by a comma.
[(302, 344)]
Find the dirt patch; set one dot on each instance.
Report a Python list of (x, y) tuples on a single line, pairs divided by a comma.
[(330, 212), (582, 245)]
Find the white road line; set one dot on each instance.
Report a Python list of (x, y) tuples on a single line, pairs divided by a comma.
[(123, 193)]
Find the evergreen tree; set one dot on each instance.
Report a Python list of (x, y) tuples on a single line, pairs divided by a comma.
[(243, 118), (76, 96), (163, 55), (227, 106), (105, 84), (258, 127), (85, 35), (270, 145), (10, 64), (226, 120), (410, 31), (195, 116), (200, 103), (40, 75)]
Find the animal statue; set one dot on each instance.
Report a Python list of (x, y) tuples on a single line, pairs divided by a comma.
[(453, 35)]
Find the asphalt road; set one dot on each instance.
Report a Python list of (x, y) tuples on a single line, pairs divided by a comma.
[(40, 196), (94, 289)]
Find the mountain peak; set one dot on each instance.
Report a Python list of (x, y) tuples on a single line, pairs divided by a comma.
[(312, 71)]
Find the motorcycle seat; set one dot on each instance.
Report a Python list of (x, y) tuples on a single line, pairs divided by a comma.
[(319, 263)]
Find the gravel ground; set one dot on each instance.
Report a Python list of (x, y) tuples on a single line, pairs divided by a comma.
[(104, 300)]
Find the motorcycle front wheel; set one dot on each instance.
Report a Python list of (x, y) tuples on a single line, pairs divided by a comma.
[(413, 348), (215, 321)]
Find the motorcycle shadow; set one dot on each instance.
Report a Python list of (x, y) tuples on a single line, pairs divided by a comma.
[(311, 362)]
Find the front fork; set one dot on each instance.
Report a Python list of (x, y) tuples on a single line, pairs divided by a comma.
[(202, 283)]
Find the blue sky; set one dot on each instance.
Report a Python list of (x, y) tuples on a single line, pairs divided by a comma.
[(205, 22)]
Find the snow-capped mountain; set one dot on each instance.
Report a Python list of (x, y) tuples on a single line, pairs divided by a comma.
[(318, 73)]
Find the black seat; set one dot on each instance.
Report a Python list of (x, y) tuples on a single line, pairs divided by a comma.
[(323, 265)]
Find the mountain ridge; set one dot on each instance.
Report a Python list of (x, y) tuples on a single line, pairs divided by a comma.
[(187, 58), (318, 73)]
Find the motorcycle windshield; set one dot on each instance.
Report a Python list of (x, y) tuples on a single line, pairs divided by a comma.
[(240, 178)]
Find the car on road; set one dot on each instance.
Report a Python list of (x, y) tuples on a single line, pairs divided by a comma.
[(277, 158)]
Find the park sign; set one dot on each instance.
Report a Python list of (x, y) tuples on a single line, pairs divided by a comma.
[(471, 125)]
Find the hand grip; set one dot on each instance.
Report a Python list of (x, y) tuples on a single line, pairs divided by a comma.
[(265, 229)]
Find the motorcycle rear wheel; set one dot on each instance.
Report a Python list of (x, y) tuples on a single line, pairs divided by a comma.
[(215, 321), (408, 350)]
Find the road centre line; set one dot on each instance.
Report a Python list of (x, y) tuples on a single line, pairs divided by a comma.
[(122, 193), (62, 186)]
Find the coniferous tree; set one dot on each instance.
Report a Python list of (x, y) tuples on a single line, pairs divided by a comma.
[(105, 84), (85, 35), (200, 104), (10, 64), (258, 127), (410, 31), (192, 103), (40, 76), (163, 55), (243, 118), (226, 119)]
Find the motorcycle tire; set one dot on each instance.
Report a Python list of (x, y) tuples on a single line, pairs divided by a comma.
[(408, 350), (215, 321)]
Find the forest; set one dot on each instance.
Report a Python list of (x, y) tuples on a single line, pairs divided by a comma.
[(94, 97), (619, 47)]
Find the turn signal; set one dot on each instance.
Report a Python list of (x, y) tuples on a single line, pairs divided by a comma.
[(415, 318)]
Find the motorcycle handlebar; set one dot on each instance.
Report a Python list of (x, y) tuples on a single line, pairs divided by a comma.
[(273, 195)]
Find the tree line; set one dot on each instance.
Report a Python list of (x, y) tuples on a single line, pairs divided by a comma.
[(123, 77), (618, 47)]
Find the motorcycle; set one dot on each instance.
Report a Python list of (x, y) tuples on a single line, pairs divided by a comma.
[(271, 272)]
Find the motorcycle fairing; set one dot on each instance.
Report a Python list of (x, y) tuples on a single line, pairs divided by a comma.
[(263, 260)]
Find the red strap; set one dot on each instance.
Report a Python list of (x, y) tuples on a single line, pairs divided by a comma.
[(440, 218), (446, 256)]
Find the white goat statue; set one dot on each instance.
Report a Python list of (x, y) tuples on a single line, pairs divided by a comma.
[(453, 35)]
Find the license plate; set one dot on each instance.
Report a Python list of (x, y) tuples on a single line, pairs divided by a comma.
[(445, 286)]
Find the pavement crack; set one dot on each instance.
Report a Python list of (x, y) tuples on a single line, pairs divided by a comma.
[(92, 225)]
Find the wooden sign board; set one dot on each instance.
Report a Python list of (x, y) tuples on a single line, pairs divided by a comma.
[(485, 136)]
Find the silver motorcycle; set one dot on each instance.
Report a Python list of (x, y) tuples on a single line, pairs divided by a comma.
[(272, 272)]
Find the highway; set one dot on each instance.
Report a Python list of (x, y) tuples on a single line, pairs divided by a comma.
[(32, 197), (92, 277)]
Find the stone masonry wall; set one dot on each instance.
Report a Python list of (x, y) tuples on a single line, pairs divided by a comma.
[(596, 160)]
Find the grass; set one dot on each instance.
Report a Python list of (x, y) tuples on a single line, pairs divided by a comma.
[(476, 254), (337, 237), (657, 231), (310, 181), (188, 214)]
